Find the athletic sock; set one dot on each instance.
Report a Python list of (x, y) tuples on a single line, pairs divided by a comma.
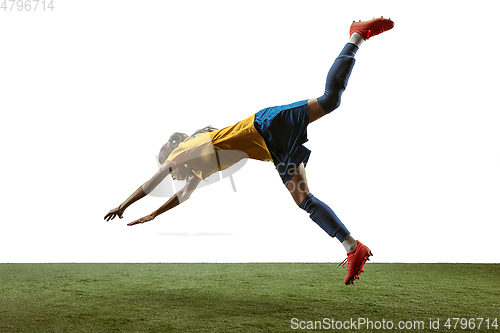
[(349, 50), (324, 216), (350, 244), (356, 39), (337, 78)]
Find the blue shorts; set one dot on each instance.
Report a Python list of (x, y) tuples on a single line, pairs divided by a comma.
[(284, 129)]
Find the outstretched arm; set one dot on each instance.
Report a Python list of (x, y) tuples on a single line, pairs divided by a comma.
[(178, 198), (142, 191)]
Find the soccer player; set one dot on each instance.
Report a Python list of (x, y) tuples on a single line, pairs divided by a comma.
[(273, 134)]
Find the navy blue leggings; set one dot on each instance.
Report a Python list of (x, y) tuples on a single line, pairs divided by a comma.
[(337, 78), (336, 82), (324, 216)]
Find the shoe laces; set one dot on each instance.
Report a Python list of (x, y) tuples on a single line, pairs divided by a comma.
[(344, 263)]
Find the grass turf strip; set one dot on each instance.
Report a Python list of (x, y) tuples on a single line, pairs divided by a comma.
[(237, 297)]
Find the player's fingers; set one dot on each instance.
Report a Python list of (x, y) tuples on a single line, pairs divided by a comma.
[(111, 215)]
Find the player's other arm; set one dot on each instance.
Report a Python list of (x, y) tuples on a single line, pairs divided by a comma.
[(142, 191), (178, 198)]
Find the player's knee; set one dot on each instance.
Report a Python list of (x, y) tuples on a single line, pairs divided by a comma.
[(329, 102), (309, 203)]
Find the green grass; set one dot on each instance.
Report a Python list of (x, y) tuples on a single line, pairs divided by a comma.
[(237, 297)]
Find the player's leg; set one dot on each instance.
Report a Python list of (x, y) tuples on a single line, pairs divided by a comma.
[(338, 76), (323, 215), (319, 212)]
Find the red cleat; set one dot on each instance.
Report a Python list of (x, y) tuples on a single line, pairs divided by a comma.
[(371, 28), (355, 261)]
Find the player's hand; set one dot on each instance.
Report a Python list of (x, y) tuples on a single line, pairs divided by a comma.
[(114, 213), (142, 220)]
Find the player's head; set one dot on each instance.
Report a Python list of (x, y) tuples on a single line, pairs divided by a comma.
[(176, 139), (180, 172), (173, 142)]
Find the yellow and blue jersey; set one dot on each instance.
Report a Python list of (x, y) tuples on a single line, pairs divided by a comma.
[(273, 134), (207, 153)]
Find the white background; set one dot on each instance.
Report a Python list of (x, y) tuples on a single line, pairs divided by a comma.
[(91, 91)]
